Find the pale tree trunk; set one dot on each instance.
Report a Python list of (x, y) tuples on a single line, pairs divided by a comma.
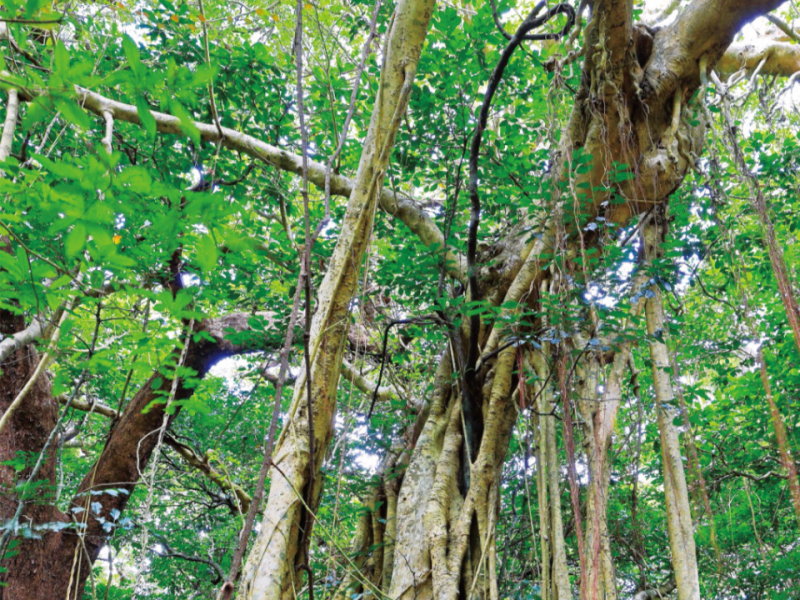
[(555, 570), (271, 568), (600, 579), (599, 417), (445, 534), (695, 468), (541, 488), (679, 517), (370, 572), (411, 573), (459, 531)]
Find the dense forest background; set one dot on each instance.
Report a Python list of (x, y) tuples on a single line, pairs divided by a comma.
[(351, 299)]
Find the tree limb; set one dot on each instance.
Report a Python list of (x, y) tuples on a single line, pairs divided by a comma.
[(784, 27), (704, 28), (401, 206), (780, 58), (12, 109), (656, 593), (366, 386), (169, 552), (39, 328), (203, 464)]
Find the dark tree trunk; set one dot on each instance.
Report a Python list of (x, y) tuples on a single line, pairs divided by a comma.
[(22, 439), (59, 563)]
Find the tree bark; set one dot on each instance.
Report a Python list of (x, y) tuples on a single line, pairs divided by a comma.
[(270, 571), (679, 517), (24, 436), (58, 564), (552, 521)]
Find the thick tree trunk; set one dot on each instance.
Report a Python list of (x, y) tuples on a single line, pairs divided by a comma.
[(445, 531), (23, 438), (58, 564), (411, 573)]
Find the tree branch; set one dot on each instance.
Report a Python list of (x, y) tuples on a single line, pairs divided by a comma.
[(704, 28), (12, 109), (656, 593), (365, 385), (39, 328), (401, 206), (781, 59), (203, 464), (94, 407), (170, 553), (784, 27)]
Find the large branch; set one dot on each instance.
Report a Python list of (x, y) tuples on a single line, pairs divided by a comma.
[(704, 28), (400, 205), (131, 441), (781, 59), (201, 463), (32, 332)]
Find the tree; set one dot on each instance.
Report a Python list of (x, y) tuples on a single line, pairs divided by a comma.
[(604, 193)]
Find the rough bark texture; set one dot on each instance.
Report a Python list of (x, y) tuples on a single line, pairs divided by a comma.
[(552, 521), (24, 437), (58, 564)]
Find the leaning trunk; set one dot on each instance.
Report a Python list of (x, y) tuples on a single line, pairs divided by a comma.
[(271, 568), (58, 564)]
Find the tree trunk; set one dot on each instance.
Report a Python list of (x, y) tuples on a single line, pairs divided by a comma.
[(271, 568), (555, 570), (58, 564), (24, 437), (679, 516)]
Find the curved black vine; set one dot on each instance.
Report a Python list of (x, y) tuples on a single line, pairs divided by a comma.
[(471, 406)]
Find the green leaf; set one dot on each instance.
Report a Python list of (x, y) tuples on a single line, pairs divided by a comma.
[(61, 59), (187, 122), (132, 54), (74, 113), (147, 119), (76, 240), (207, 253), (137, 178)]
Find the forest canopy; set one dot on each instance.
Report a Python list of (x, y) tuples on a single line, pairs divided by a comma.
[(373, 299)]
